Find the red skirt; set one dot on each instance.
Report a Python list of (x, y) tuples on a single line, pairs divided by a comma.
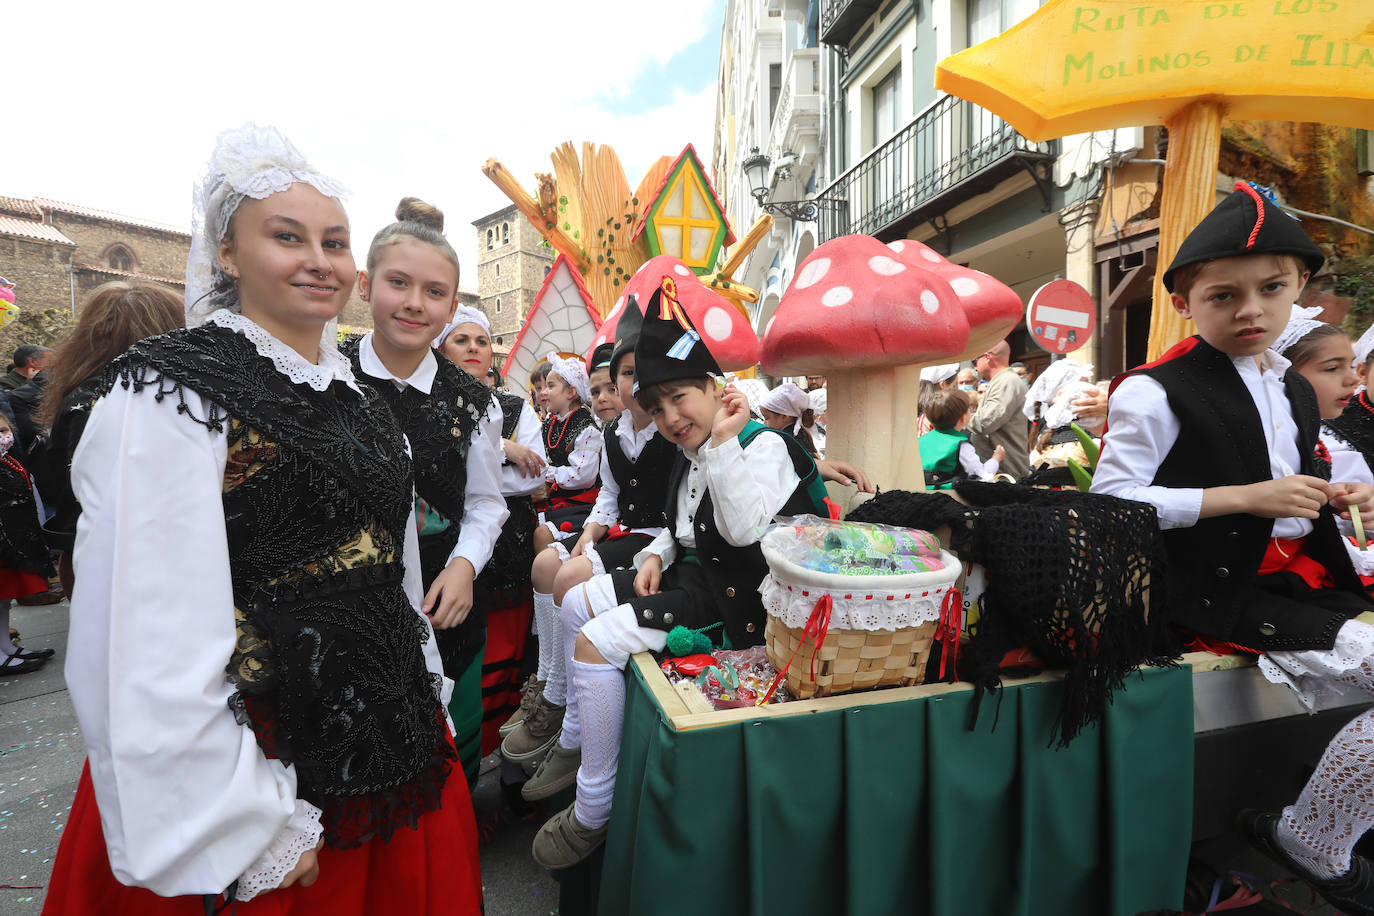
[(430, 870), (15, 583), (508, 631)]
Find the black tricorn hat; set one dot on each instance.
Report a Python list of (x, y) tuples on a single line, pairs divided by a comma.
[(627, 331), (670, 348), (1247, 222)]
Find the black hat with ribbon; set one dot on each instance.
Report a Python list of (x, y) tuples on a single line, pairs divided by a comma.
[(1247, 222), (669, 346), (626, 331)]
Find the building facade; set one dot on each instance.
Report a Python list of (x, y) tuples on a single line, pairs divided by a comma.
[(55, 253), (770, 102), (512, 262)]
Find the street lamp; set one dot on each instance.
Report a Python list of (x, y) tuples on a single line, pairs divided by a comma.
[(755, 167)]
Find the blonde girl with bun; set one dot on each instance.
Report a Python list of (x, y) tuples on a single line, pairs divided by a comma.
[(453, 425)]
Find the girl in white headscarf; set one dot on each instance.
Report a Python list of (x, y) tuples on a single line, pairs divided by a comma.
[(259, 693)]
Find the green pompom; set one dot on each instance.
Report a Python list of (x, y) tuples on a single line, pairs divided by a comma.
[(682, 641)]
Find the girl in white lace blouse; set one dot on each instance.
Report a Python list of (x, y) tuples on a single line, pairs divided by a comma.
[(259, 693)]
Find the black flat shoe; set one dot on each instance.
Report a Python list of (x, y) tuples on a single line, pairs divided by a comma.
[(39, 654), (1353, 892), (13, 664)]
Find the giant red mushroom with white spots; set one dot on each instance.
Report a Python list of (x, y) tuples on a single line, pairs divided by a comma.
[(723, 327), (867, 321), (992, 308)]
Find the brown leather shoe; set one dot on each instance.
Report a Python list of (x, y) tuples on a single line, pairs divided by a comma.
[(533, 737), (529, 696), (562, 842)]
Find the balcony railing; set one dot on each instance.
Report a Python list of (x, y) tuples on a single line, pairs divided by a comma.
[(840, 19), (950, 152)]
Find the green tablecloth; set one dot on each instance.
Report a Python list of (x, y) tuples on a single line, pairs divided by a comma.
[(899, 808)]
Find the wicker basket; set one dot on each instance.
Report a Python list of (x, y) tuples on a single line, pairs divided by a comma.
[(849, 659), (862, 648)]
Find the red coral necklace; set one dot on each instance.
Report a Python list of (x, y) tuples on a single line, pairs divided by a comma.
[(553, 443)]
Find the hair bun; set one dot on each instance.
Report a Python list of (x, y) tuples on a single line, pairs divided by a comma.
[(415, 210)]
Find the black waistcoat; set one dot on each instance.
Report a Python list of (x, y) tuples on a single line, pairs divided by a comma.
[(509, 568), (440, 426), (1356, 426), (1213, 564), (329, 664), (560, 437), (733, 574), (641, 481)]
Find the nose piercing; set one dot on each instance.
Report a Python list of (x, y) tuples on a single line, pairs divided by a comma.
[(322, 275)]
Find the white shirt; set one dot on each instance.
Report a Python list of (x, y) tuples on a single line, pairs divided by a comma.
[(514, 481), (746, 495), (187, 800), (584, 460), (484, 508), (632, 442), (1141, 429), (970, 465)]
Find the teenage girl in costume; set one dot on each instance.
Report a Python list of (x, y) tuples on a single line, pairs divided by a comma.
[(24, 560), (454, 428), (502, 590), (115, 317), (282, 740)]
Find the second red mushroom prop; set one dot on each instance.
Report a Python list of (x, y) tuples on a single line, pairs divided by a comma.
[(869, 316)]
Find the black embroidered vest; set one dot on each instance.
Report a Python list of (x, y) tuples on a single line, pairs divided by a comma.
[(329, 665), (440, 426), (643, 481), (21, 539), (1213, 564), (560, 437), (734, 573), (1355, 425), (509, 568)]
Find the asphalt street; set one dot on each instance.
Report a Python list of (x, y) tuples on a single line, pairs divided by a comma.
[(41, 754)]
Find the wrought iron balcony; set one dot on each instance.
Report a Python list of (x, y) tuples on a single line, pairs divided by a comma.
[(841, 19), (950, 152)]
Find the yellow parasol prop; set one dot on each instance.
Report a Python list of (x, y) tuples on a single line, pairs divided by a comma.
[(1078, 66)]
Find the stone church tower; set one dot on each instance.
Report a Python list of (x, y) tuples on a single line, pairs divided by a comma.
[(511, 266)]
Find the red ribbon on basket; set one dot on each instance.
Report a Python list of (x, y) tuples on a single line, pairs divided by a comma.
[(948, 631), (817, 625)]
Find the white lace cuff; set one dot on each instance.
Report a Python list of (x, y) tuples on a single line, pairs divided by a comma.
[(301, 833), (1362, 560)]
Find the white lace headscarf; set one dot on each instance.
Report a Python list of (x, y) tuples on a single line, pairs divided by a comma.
[(248, 161), (465, 314), (1364, 345), (1301, 322), (574, 373)]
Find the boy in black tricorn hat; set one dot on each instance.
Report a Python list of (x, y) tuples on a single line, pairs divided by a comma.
[(1220, 436), (732, 477)]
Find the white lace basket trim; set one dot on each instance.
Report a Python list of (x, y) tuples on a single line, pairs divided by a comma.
[(790, 593), (332, 365), (301, 833), (1319, 675)]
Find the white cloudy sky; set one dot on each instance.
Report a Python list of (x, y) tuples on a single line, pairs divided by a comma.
[(116, 105)]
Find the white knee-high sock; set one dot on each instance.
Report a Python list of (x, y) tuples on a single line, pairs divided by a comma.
[(575, 615), (1336, 806), (550, 632), (601, 705), (556, 685), (6, 646)]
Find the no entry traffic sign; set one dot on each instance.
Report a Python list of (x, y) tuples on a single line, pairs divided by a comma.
[(1060, 316)]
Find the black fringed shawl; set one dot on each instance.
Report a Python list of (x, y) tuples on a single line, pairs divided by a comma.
[(1060, 564)]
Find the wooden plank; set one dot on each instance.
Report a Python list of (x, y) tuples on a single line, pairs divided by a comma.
[(663, 693)]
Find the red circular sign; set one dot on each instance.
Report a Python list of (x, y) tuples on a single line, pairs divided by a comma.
[(1061, 315)]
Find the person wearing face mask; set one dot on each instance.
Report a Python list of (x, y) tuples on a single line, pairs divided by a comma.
[(24, 561)]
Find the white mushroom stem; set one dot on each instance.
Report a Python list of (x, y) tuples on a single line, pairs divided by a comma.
[(872, 424)]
